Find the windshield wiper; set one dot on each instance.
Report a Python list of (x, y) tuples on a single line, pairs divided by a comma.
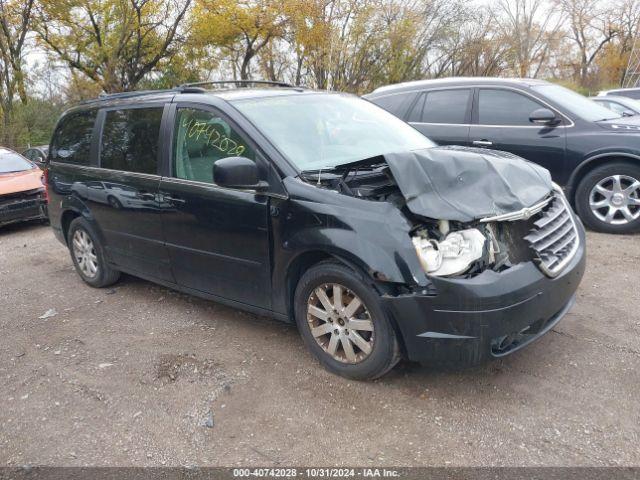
[(342, 170), (317, 171), (369, 163)]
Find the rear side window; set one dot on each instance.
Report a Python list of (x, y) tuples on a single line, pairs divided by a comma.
[(396, 104), (130, 140), (415, 115), (72, 140), (442, 106), (505, 107)]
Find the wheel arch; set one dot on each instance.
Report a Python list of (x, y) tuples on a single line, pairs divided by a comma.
[(66, 218), (70, 213), (300, 264), (305, 260), (596, 161)]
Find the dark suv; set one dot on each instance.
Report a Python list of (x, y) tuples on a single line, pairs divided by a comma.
[(590, 150), (320, 209)]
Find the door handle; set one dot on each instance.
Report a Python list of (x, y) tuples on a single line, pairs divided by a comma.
[(147, 196), (482, 143)]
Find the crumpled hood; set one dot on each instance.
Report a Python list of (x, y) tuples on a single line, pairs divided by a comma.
[(15, 182), (465, 184)]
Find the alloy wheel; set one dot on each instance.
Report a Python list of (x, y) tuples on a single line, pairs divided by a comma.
[(616, 199), (85, 253), (340, 322)]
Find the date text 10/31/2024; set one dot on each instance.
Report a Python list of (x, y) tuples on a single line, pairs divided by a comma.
[(316, 472)]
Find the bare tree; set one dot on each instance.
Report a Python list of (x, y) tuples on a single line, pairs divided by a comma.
[(530, 29), (473, 47), (628, 20), (591, 27)]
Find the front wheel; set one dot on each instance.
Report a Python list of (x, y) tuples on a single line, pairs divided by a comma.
[(608, 198), (343, 324)]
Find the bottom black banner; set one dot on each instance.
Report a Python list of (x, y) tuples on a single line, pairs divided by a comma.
[(197, 473)]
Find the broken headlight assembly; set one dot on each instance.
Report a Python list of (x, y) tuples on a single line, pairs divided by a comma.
[(452, 255)]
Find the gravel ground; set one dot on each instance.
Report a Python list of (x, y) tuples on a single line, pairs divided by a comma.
[(141, 375)]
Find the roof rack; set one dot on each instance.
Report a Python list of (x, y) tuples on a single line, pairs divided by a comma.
[(187, 88), (132, 93), (194, 87)]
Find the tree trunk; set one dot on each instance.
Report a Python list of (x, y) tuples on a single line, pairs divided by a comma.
[(246, 60)]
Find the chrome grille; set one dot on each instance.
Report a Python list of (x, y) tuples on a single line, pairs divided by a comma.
[(554, 237)]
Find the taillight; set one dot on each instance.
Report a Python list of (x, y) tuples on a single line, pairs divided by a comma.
[(45, 182)]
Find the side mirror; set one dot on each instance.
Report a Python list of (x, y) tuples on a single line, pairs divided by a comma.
[(628, 113), (543, 116), (237, 172)]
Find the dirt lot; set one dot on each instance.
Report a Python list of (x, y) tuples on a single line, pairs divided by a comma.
[(141, 375)]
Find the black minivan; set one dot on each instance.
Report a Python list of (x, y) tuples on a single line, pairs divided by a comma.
[(320, 209), (592, 152)]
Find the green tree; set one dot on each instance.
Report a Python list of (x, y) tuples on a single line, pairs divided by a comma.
[(15, 21), (241, 28), (115, 43)]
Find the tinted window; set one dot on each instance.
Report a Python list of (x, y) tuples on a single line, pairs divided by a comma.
[(12, 162), (34, 155), (505, 107), (415, 115), (395, 103), (201, 139), (130, 140), (442, 106), (72, 140)]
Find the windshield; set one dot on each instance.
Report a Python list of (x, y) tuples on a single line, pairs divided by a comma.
[(630, 103), (12, 162), (576, 103), (316, 131)]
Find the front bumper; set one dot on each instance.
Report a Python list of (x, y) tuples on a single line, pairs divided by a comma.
[(18, 208), (491, 315)]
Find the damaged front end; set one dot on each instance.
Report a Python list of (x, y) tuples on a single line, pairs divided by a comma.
[(546, 233), (472, 210), (501, 251)]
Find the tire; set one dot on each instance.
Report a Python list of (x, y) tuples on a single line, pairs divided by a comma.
[(114, 202), (621, 196), (84, 243), (355, 363)]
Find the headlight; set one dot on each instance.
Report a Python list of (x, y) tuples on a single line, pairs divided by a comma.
[(451, 256)]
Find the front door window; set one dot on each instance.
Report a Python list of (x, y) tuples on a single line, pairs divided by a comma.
[(505, 108), (202, 138)]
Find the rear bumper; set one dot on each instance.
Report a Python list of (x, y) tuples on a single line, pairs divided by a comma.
[(491, 315)]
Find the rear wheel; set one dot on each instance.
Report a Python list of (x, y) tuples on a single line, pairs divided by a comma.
[(343, 324), (88, 255), (608, 198)]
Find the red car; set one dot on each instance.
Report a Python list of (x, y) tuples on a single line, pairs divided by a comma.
[(22, 192)]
